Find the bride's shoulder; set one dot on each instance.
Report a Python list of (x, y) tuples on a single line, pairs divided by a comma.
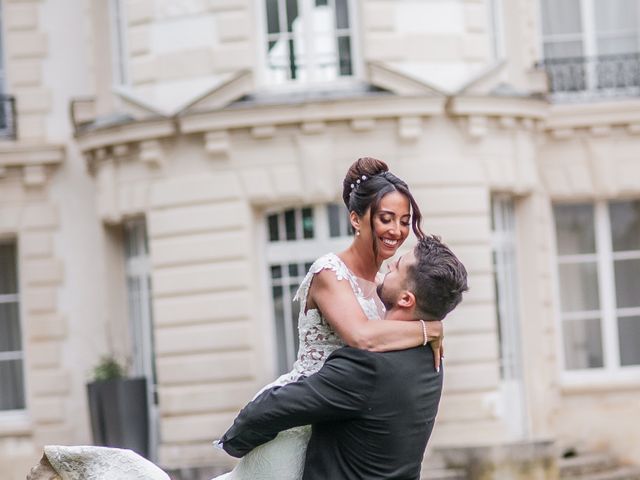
[(330, 261)]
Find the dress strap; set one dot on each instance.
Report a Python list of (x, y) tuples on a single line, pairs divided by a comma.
[(332, 262)]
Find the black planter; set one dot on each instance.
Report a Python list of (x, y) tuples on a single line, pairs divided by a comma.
[(119, 414)]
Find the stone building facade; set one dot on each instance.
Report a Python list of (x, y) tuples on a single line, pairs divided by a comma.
[(173, 166)]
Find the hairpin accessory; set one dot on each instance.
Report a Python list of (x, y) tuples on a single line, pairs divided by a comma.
[(358, 182)]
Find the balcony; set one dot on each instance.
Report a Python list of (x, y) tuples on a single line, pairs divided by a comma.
[(586, 78), (7, 117)]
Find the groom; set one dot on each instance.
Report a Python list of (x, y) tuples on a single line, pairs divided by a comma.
[(372, 413)]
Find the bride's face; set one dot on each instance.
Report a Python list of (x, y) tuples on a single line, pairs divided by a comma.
[(391, 225)]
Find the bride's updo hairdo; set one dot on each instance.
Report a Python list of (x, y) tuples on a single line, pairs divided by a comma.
[(367, 181)]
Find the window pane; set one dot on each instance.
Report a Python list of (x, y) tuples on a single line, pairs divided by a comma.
[(292, 14), (575, 229), (629, 334), (274, 233), (627, 274), (290, 224), (582, 344), (615, 15), (335, 214), (11, 385), (561, 16), (10, 339), (273, 24), (276, 271), (295, 311), (307, 222), (281, 338), (625, 225), (344, 49), (293, 270), (579, 287), (342, 14), (8, 269), (618, 45), (564, 49)]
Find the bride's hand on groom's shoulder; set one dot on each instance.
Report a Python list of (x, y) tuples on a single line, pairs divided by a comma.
[(435, 337)]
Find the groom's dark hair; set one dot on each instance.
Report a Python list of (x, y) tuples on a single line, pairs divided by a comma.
[(437, 278)]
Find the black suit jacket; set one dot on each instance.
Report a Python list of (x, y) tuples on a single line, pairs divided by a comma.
[(372, 415)]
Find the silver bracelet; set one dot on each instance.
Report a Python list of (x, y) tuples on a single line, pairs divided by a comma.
[(425, 339)]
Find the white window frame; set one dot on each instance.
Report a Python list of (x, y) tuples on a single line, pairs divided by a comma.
[(265, 86), (612, 373), (297, 251), (496, 29), (589, 45), (139, 267), (119, 44), (504, 247), (19, 414)]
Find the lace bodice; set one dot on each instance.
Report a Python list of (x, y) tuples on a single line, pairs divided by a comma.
[(317, 339), (283, 457), (101, 463)]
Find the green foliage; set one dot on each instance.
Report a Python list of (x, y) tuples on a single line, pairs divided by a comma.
[(108, 369)]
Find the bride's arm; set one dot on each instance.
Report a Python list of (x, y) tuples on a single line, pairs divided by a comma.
[(339, 306)]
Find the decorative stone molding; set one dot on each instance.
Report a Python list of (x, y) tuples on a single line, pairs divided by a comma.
[(562, 133), (410, 128), (385, 76), (263, 131), (235, 86), (313, 127), (587, 115), (34, 160), (151, 153), (217, 143), (327, 111), (363, 124), (477, 126)]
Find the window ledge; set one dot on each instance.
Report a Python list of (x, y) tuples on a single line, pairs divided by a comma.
[(15, 423), (601, 381)]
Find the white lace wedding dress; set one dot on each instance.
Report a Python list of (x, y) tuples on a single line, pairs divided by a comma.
[(283, 457), (100, 463)]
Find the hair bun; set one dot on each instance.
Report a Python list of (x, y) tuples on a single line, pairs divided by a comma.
[(368, 166)]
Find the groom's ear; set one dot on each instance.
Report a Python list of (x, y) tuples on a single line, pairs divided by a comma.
[(406, 300)]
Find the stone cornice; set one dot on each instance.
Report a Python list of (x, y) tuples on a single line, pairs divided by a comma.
[(587, 115), (488, 106), (15, 154), (370, 107), (385, 76), (127, 133), (33, 159)]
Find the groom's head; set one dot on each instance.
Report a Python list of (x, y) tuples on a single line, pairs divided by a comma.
[(425, 283)]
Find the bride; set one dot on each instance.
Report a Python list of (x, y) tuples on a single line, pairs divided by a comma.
[(338, 302)]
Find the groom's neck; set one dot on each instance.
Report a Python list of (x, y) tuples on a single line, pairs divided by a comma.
[(400, 314)]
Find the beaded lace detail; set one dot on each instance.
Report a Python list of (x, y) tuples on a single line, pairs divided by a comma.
[(101, 463)]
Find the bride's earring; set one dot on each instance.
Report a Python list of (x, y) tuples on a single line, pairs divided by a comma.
[(357, 233)]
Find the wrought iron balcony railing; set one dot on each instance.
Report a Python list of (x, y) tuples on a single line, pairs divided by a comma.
[(7, 117), (601, 76)]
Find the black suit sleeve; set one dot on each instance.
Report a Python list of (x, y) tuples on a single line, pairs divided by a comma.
[(338, 391)]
